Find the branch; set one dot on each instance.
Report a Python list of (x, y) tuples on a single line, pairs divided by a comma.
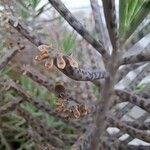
[(140, 134), (25, 32), (141, 75), (7, 57), (39, 105), (137, 36), (82, 74), (38, 77), (111, 21), (10, 106), (99, 26), (66, 14), (134, 99), (76, 74), (41, 128), (139, 125), (121, 113), (136, 58), (125, 70), (84, 141)]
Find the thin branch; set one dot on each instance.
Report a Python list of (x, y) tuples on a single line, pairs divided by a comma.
[(25, 32), (120, 114), (40, 128), (120, 145), (38, 104), (10, 106), (38, 77), (141, 75), (137, 36), (84, 141), (111, 21), (139, 125), (125, 70), (140, 134), (141, 119), (134, 99), (72, 72), (136, 58), (82, 74), (7, 57), (99, 26), (67, 15)]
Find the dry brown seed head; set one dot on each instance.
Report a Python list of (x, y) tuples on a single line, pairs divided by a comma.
[(73, 62), (76, 112), (44, 48), (49, 63), (60, 61)]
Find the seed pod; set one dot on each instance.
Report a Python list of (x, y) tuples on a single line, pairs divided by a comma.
[(76, 112), (83, 109), (73, 62), (60, 61), (60, 91), (44, 48), (49, 63)]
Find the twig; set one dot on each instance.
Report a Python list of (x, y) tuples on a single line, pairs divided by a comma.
[(125, 70), (111, 21), (39, 127), (66, 14), (82, 74), (136, 58), (99, 26), (143, 135), (38, 104), (134, 99), (7, 57)]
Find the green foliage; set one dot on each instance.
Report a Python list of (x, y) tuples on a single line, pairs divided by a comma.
[(68, 42), (132, 13)]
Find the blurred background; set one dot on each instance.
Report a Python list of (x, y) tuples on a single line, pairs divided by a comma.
[(41, 19)]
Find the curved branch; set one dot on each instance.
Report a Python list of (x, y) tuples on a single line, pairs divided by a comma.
[(66, 14), (125, 70), (140, 134), (140, 57), (38, 104), (134, 99), (82, 74), (75, 73), (139, 125)]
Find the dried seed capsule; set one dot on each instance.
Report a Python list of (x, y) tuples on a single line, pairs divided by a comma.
[(60, 61), (83, 109), (44, 48), (60, 91), (73, 62), (76, 112), (49, 63)]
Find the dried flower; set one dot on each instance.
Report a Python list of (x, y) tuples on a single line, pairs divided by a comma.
[(60, 61)]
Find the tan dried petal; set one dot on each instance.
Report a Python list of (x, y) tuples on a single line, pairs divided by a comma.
[(49, 63), (73, 62), (60, 90), (83, 109), (60, 62), (76, 112), (44, 48)]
